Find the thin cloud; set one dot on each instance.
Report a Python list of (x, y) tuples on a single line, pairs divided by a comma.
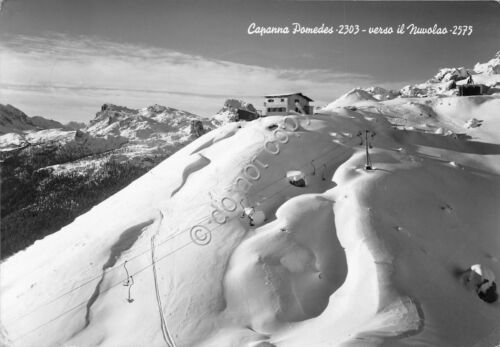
[(42, 88), (137, 75)]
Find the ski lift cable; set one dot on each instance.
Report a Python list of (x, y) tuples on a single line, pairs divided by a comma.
[(108, 289), (97, 276), (103, 291), (118, 265), (117, 283), (136, 272), (288, 187), (90, 280), (302, 166), (142, 253), (147, 250), (284, 178), (111, 269)]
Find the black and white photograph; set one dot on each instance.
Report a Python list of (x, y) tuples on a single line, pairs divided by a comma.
[(249, 173)]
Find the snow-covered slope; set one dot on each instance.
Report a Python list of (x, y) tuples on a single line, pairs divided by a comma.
[(355, 257), (218, 246)]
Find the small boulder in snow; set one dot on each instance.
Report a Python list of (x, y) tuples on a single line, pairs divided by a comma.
[(481, 279), (296, 178), (255, 216), (473, 123)]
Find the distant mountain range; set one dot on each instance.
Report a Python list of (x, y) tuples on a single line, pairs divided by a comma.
[(52, 173), (13, 120)]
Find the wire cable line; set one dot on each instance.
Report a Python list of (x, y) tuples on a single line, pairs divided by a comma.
[(166, 335)]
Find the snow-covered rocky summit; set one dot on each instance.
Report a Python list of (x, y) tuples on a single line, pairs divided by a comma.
[(490, 67), (229, 112), (451, 74), (143, 124), (151, 130), (425, 105), (362, 96), (443, 84), (273, 233), (354, 97), (380, 93)]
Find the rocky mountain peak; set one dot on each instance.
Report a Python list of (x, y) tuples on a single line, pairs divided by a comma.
[(13, 120)]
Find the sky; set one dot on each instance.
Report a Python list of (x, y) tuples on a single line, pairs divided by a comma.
[(62, 59)]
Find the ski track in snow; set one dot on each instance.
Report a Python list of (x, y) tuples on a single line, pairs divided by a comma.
[(167, 337)]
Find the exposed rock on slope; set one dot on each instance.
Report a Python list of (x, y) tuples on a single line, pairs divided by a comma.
[(150, 131), (446, 80), (380, 93), (153, 122), (452, 74), (228, 113)]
